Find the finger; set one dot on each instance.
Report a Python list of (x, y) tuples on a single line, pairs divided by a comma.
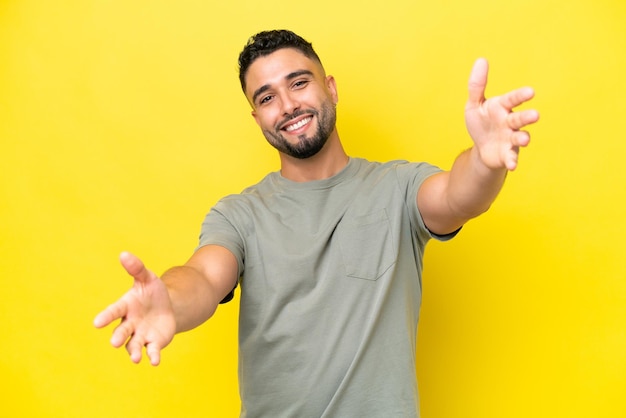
[(154, 353), (115, 311), (122, 333), (135, 267), (478, 82), (511, 159), (517, 120), (520, 138), (515, 98), (134, 346), (529, 116)]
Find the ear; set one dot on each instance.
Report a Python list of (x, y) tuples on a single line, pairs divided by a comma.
[(331, 85), (256, 117)]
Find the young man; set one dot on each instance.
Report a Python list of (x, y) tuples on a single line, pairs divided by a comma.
[(328, 251)]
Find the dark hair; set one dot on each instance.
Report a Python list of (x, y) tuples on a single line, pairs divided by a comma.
[(266, 42)]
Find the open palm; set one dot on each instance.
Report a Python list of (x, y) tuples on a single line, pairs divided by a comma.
[(492, 124), (145, 311)]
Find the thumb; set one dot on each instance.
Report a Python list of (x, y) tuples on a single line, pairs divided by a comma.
[(478, 82), (135, 267)]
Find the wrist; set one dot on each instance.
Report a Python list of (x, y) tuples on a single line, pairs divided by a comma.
[(484, 167)]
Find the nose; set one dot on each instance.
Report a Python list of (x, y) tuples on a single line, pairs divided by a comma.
[(290, 103)]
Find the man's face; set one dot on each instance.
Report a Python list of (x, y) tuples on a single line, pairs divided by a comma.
[(293, 102)]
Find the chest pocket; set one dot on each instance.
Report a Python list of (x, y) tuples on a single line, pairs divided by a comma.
[(367, 246)]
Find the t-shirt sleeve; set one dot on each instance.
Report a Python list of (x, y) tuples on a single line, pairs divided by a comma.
[(218, 230), (412, 176)]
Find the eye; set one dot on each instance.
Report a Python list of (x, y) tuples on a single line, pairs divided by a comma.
[(300, 84), (265, 99)]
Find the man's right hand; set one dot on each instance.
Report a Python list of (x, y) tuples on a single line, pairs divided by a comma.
[(145, 311)]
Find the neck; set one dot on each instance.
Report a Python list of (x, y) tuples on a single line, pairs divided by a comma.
[(330, 160)]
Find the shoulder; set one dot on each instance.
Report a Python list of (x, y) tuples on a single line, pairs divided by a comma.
[(250, 193), (402, 170)]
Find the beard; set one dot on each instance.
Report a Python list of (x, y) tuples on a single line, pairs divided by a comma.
[(306, 146)]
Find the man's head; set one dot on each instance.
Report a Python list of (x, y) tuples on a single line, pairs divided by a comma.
[(293, 100), (266, 42)]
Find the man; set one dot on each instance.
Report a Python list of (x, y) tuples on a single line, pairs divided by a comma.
[(328, 251)]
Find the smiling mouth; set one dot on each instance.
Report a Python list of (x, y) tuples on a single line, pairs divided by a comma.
[(298, 125)]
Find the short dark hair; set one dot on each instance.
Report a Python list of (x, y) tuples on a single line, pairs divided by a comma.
[(267, 42)]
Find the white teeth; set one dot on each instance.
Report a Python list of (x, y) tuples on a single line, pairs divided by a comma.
[(298, 125)]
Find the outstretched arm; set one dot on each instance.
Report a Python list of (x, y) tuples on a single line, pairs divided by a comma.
[(154, 309), (449, 199)]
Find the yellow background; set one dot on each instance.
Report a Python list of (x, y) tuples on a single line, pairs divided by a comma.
[(122, 123)]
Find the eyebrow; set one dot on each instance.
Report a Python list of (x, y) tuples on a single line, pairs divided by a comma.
[(289, 76)]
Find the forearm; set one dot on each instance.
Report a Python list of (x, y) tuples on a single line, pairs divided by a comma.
[(449, 199), (193, 298), (472, 186)]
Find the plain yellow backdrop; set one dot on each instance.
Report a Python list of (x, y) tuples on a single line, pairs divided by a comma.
[(122, 123)]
